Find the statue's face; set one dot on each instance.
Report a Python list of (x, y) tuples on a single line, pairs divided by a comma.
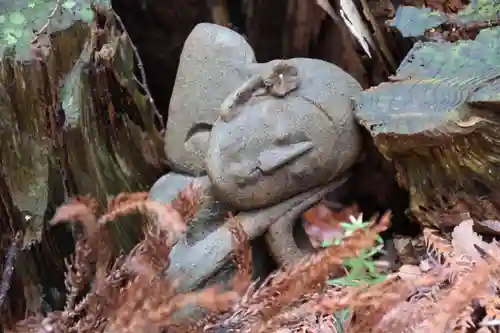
[(295, 130), (262, 141), (273, 149)]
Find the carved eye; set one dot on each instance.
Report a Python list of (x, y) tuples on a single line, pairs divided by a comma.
[(197, 129)]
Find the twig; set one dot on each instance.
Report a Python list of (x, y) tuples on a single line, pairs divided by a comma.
[(9, 267), (46, 25), (143, 84)]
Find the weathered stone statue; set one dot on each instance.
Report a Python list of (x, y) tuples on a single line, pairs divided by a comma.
[(281, 127), (286, 130), (273, 138)]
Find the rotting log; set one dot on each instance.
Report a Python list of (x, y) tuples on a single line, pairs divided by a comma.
[(438, 122), (159, 28), (31, 176), (275, 29), (75, 121), (294, 28)]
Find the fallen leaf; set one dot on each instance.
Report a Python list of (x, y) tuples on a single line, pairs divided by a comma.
[(464, 238), (321, 223)]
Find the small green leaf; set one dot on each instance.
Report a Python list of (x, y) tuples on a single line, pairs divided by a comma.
[(13, 32), (11, 40), (343, 281), (372, 268), (87, 14), (340, 318), (17, 18), (346, 225), (69, 4), (2, 19)]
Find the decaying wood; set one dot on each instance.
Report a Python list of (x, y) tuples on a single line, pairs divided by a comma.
[(73, 121), (8, 267), (159, 28), (445, 155)]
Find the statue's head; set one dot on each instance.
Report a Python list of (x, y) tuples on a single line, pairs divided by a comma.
[(284, 131), (262, 132)]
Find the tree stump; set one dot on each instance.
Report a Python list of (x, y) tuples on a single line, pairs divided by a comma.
[(437, 121), (75, 121)]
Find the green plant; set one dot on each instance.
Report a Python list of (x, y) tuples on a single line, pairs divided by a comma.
[(362, 270), (22, 20)]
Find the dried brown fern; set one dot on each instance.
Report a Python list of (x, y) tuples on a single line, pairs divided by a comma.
[(79, 272), (441, 300), (131, 294), (282, 296), (122, 288), (242, 256)]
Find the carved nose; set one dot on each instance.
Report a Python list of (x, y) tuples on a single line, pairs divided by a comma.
[(288, 145), (278, 156), (268, 161)]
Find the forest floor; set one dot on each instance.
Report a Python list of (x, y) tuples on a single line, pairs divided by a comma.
[(355, 281)]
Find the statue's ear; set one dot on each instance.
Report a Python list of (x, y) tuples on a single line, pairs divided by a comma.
[(197, 139)]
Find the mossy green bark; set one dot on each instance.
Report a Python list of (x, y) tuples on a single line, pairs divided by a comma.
[(415, 21)]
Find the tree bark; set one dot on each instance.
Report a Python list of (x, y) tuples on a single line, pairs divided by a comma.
[(159, 28), (294, 28), (74, 122)]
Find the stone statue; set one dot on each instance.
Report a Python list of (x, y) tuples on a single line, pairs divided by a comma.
[(282, 132), (273, 138)]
